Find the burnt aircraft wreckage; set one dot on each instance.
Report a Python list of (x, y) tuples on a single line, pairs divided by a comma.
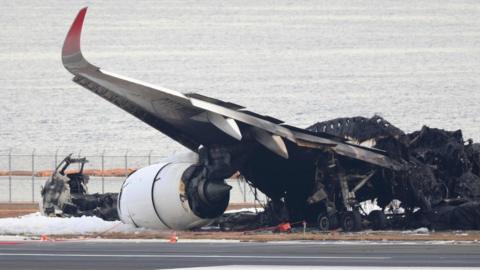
[(319, 174), (66, 194)]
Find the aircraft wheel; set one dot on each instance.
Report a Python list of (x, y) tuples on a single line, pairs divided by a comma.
[(378, 220), (323, 222), (351, 221)]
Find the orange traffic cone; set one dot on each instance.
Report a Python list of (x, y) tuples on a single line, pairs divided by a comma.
[(173, 238), (43, 237), (283, 227)]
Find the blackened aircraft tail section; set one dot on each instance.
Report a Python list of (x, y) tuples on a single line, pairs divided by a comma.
[(194, 120)]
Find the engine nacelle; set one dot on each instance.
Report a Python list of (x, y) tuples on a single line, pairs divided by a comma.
[(166, 196)]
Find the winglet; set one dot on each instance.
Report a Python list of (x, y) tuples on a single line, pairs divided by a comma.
[(71, 52)]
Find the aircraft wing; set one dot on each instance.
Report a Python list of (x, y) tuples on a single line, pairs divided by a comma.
[(193, 119)]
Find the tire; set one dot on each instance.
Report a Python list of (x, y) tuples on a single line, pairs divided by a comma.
[(377, 220), (323, 222), (351, 221)]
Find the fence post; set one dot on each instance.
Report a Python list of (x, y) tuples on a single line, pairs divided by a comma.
[(126, 163), (10, 175), (244, 189), (33, 175), (56, 159), (103, 171), (79, 156)]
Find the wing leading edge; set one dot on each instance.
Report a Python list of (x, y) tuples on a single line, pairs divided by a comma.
[(192, 119)]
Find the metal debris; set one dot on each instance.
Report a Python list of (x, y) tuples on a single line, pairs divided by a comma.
[(65, 194)]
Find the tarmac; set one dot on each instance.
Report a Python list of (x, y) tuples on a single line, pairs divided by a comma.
[(133, 254)]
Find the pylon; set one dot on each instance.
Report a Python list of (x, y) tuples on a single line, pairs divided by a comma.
[(173, 237), (284, 227), (43, 237)]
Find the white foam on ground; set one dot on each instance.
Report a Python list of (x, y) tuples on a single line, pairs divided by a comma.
[(421, 230), (249, 209), (36, 224), (12, 238)]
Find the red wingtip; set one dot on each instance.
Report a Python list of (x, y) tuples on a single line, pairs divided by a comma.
[(72, 41)]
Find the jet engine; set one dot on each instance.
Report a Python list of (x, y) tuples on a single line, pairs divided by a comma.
[(175, 194)]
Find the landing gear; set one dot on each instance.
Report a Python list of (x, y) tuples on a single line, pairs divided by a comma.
[(333, 222), (351, 221), (327, 222), (377, 220), (323, 223), (335, 193)]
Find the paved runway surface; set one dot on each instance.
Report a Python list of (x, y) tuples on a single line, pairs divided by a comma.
[(155, 255)]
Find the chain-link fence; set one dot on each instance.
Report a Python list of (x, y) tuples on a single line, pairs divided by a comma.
[(23, 175)]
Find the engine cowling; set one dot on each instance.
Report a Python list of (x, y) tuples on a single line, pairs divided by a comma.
[(172, 195)]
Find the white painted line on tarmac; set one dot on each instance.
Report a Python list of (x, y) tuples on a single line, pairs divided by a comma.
[(281, 267), (197, 256)]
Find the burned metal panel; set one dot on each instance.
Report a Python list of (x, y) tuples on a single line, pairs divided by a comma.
[(66, 194)]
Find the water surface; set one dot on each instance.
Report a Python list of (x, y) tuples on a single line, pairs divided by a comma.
[(413, 62)]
